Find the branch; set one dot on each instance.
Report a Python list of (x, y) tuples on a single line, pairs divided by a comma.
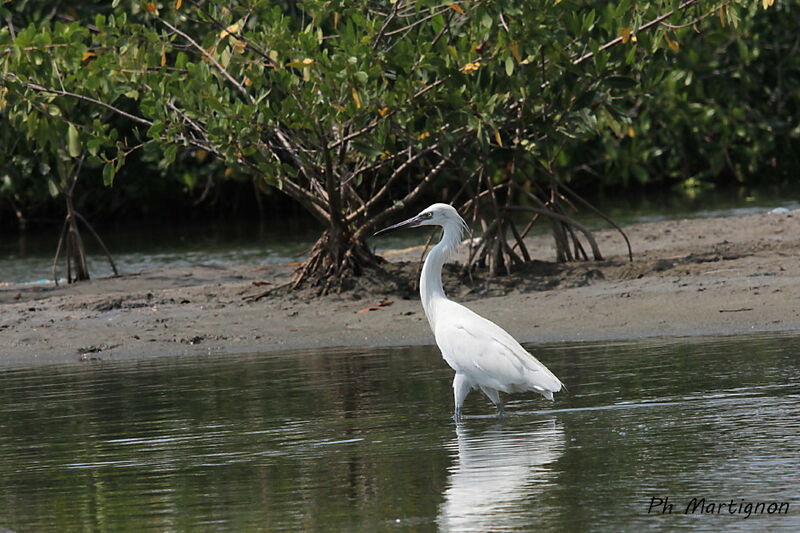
[(417, 22), (11, 30), (372, 169), (38, 88), (385, 24), (698, 19), (655, 21), (100, 241), (390, 181), (211, 58), (238, 36), (567, 220), (369, 127), (186, 118), (312, 203), (408, 198), (302, 167), (601, 215), (9, 49), (292, 189), (334, 199)]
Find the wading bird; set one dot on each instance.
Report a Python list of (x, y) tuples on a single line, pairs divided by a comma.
[(482, 353)]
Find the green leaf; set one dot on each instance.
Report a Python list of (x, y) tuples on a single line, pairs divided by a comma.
[(437, 24), (155, 129), (169, 153), (52, 188), (108, 174), (73, 142), (93, 145)]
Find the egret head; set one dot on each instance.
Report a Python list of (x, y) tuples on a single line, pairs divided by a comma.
[(434, 215)]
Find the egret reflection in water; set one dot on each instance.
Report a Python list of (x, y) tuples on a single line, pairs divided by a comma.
[(497, 472)]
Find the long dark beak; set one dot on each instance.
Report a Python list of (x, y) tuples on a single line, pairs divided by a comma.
[(410, 223)]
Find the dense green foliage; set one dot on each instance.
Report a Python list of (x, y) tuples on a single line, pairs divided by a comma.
[(722, 109), (356, 109)]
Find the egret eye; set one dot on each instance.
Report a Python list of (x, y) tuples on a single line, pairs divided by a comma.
[(426, 215)]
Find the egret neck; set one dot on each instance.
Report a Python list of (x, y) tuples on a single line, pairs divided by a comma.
[(430, 284)]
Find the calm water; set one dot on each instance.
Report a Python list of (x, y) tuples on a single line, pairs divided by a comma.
[(28, 257), (344, 440)]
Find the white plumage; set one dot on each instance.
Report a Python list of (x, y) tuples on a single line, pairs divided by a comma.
[(483, 355)]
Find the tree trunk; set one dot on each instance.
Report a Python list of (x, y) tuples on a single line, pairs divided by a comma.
[(77, 267), (335, 259), (70, 239)]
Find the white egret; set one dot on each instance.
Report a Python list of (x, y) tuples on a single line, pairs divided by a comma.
[(483, 355)]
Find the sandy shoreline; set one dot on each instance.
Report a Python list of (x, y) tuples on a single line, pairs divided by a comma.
[(689, 277)]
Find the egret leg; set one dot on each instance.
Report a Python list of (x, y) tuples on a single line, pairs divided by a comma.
[(494, 396), (461, 388)]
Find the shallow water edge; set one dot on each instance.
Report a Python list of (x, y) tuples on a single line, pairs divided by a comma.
[(362, 440)]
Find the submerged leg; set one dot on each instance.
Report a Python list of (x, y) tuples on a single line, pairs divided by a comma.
[(495, 397), (460, 390)]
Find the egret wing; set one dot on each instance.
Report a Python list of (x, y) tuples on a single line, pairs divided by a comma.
[(488, 355)]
